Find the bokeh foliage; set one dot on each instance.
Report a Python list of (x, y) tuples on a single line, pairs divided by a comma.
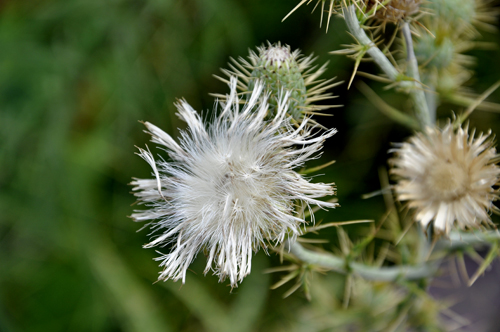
[(75, 78)]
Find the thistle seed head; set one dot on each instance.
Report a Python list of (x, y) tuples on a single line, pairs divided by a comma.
[(229, 187)]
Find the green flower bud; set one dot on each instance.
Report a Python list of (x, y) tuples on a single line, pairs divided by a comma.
[(435, 52), (456, 17), (453, 11), (281, 71), (278, 68), (449, 82)]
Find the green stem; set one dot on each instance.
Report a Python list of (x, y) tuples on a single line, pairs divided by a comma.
[(417, 92), (467, 101), (386, 109)]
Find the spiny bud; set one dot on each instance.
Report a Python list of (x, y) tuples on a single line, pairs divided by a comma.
[(435, 52), (443, 65), (278, 68), (282, 70), (460, 16), (453, 11), (449, 32)]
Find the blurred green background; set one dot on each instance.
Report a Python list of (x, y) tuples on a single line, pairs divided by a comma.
[(76, 76)]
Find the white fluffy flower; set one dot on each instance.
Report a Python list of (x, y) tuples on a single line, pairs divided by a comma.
[(448, 177), (230, 186)]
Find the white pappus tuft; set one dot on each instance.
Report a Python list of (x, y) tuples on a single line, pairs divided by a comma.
[(230, 187)]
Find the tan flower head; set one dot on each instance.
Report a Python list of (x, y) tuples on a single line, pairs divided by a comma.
[(395, 10), (447, 177)]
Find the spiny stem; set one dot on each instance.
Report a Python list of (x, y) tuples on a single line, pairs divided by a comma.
[(417, 92), (415, 87), (459, 240), (432, 98), (341, 265)]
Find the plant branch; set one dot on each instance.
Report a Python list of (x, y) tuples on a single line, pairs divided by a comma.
[(459, 240), (372, 49)]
